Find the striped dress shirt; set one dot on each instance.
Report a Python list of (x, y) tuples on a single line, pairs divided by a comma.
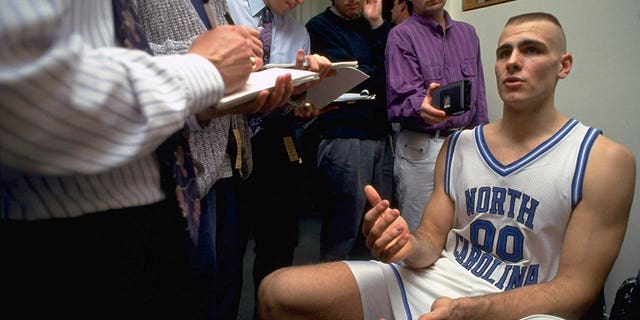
[(81, 117)]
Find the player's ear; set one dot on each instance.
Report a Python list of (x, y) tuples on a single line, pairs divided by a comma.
[(566, 62)]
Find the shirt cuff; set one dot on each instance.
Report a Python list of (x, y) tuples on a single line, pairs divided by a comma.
[(193, 123), (203, 83)]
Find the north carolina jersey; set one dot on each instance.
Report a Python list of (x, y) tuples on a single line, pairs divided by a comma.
[(510, 219)]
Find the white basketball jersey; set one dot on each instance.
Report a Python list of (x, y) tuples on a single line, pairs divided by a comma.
[(510, 219)]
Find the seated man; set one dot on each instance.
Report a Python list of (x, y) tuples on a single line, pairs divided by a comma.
[(527, 216)]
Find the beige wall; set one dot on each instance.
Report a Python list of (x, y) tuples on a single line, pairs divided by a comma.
[(602, 91)]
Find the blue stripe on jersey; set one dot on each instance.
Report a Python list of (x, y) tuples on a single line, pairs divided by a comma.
[(453, 140), (581, 165), (405, 301), (503, 170)]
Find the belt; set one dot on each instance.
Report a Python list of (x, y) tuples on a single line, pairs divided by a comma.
[(442, 133)]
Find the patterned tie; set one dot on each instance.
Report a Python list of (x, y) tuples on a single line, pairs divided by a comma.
[(176, 165), (265, 34)]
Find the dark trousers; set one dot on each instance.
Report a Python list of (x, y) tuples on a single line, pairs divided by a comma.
[(118, 264), (207, 267), (270, 202), (228, 250)]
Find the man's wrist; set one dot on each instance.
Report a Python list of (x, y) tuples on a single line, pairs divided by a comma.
[(375, 24)]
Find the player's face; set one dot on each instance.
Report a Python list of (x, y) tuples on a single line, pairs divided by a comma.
[(282, 6), (349, 8), (530, 60), (429, 8)]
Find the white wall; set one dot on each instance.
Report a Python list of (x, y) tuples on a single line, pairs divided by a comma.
[(310, 8), (602, 91)]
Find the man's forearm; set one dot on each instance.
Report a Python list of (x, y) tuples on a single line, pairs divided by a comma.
[(551, 298)]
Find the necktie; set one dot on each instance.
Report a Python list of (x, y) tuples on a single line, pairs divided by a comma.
[(265, 34), (266, 22), (176, 166), (202, 12)]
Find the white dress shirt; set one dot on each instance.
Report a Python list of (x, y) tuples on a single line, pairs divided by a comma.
[(287, 35), (81, 117)]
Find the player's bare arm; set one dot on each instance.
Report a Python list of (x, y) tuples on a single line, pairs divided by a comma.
[(430, 236)]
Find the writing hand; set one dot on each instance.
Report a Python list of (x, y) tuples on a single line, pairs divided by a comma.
[(230, 51), (253, 36)]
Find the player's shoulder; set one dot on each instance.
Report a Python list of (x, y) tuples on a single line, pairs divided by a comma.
[(609, 152)]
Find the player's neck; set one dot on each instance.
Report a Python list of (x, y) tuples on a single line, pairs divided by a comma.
[(512, 137), (531, 124)]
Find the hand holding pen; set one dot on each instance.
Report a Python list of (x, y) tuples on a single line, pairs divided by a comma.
[(255, 43)]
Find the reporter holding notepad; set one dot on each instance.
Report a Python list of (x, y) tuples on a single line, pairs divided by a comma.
[(278, 157)]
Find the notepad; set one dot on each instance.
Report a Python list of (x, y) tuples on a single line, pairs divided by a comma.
[(330, 88), (263, 80)]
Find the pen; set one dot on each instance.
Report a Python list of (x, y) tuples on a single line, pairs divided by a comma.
[(227, 17)]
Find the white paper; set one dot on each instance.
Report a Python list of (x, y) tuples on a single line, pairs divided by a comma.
[(263, 80), (330, 88)]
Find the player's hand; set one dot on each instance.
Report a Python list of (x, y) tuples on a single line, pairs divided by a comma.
[(441, 309), (387, 233)]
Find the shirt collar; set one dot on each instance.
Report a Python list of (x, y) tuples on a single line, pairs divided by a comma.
[(335, 11), (448, 22), (256, 6)]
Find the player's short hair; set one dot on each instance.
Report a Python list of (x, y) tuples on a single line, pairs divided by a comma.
[(534, 16), (538, 16)]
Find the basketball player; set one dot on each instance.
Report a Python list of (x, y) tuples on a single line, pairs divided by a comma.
[(527, 216)]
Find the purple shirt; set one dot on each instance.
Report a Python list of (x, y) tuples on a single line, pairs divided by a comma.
[(419, 52)]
